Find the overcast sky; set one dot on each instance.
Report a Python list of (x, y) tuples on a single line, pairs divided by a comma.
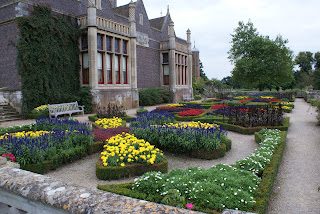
[(212, 21)]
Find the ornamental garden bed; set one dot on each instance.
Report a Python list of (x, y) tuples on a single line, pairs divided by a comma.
[(48, 144), (192, 139), (124, 155), (246, 186)]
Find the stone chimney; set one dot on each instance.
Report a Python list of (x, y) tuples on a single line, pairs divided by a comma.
[(113, 3)]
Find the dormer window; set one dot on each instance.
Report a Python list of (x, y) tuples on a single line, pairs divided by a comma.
[(141, 19)]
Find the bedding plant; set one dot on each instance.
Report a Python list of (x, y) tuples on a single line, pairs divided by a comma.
[(48, 139), (208, 190), (161, 130), (109, 122)]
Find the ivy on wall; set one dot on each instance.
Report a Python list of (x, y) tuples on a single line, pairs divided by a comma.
[(48, 59)]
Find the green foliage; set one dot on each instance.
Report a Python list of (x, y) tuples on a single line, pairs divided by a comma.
[(197, 97), (141, 110), (154, 96), (202, 73), (304, 60), (48, 59), (84, 98), (117, 172), (259, 61)]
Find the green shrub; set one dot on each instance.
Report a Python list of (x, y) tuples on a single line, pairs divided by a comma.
[(141, 110), (154, 96), (84, 98), (197, 97), (117, 172)]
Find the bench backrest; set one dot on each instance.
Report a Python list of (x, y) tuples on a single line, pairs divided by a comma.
[(63, 107)]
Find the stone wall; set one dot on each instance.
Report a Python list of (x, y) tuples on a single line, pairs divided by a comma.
[(27, 192), (128, 98), (312, 95)]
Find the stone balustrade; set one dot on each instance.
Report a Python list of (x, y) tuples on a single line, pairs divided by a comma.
[(106, 24), (178, 47)]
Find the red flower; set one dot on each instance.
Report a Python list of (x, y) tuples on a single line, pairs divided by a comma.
[(104, 134), (218, 106), (9, 157), (191, 112)]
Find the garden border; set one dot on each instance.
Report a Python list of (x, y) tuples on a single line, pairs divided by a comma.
[(118, 172)]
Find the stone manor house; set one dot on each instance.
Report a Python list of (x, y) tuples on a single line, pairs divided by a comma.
[(122, 50)]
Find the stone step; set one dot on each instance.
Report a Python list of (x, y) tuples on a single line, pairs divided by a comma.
[(6, 119)]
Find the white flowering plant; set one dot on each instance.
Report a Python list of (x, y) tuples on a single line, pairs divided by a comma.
[(257, 161), (216, 188)]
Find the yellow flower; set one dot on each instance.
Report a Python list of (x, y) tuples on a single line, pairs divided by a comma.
[(122, 164)]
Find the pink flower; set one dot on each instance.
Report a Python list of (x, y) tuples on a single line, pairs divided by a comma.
[(189, 206)]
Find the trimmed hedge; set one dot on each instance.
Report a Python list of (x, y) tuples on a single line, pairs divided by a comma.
[(141, 110), (209, 155), (252, 130), (67, 156), (269, 175), (117, 172)]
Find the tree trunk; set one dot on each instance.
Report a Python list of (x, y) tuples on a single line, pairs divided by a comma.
[(260, 87)]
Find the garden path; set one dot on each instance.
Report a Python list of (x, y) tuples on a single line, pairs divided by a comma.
[(296, 187)]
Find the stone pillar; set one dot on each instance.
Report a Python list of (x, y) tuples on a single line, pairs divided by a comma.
[(92, 45), (133, 55), (172, 52), (189, 69)]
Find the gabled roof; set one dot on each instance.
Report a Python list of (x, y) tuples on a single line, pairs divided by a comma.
[(122, 10), (157, 23)]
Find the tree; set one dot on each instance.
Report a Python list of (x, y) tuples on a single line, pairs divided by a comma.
[(305, 61), (202, 73), (259, 61)]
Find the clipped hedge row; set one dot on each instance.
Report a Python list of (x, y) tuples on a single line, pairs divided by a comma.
[(117, 172), (67, 156), (269, 174), (252, 130)]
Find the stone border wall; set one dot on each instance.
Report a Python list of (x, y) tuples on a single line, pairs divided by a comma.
[(32, 193)]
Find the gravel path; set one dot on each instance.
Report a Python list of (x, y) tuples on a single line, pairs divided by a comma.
[(296, 188), (82, 172)]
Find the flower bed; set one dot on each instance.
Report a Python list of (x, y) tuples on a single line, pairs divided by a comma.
[(216, 188), (183, 139), (104, 134), (125, 150), (218, 106), (109, 122), (191, 112), (43, 150)]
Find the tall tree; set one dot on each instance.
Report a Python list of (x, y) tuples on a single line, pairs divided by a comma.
[(202, 73), (259, 61), (305, 61)]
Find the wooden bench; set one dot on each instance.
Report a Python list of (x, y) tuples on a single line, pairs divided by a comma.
[(186, 97), (64, 108)]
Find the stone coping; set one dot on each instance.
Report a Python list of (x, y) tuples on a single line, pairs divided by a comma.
[(74, 198)]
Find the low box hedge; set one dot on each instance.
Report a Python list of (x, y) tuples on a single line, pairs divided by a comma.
[(118, 172), (67, 156), (252, 130), (211, 154), (269, 175), (37, 116)]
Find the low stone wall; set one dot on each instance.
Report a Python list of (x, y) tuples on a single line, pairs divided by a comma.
[(26, 192), (312, 95)]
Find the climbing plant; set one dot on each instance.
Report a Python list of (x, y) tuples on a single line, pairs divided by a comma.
[(48, 58)]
